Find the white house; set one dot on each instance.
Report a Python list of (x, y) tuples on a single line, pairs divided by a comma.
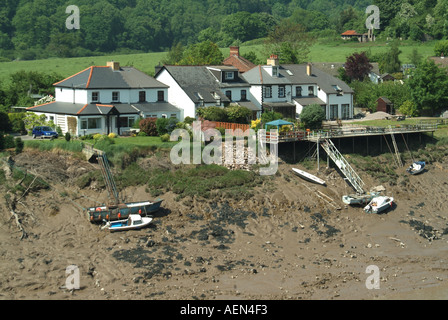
[(193, 87), (105, 99), (291, 87)]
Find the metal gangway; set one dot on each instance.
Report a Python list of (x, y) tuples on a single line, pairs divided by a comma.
[(343, 165), (108, 178)]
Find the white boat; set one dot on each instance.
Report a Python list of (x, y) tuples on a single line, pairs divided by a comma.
[(308, 176), (359, 199), (134, 221), (379, 204), (417, 167)]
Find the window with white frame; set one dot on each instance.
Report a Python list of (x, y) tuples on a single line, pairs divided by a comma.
[(115, 96), (125, 122), (229, 75), (268, 92), (95, 96), (90, 123), (281, 91)]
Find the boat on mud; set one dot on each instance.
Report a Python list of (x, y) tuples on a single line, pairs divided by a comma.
[(416, 168), (133, 222), (379, 204), (122, 211), (359, 199), (307, 176)]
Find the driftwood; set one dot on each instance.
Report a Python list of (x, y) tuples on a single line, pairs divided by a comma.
[(16, 217)]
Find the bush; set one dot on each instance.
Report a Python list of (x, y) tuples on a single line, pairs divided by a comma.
[(165, 137), (189, 120), (270, 116), (8, 142), (312, 116), (213, 114), (238, 114), (112, 135), (161, 125), (19, 145), (59, 131), (17, 124), (149, 126), (68, 136), (142, 134)]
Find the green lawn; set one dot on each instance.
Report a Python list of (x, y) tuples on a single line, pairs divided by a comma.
[(321, 51)]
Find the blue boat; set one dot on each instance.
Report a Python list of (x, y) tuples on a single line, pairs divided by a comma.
[(416, 168)]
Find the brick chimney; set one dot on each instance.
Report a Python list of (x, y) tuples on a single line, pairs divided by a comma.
[(234, 51), (273, 60), (115, 66)]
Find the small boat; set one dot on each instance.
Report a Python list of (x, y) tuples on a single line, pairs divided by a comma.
[(308, 176), (416, 168), (122, 211), (359, 199), (134, 221), (379, 204)]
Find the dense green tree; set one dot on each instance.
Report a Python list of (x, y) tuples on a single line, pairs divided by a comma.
[(203, 53), (290, 42), (390, 61), (429, 88), (312, 116)]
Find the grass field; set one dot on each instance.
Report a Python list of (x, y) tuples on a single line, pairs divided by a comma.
[(321, 51)]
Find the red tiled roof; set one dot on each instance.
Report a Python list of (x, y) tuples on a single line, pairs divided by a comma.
[(239, 62), (350, 33)]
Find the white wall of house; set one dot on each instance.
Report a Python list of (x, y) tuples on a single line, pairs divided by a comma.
[(177, 95), (162, 114), (236, 93), (105, 95), (71, 95), (345, 99)]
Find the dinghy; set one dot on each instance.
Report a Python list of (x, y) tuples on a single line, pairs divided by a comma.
[(379, 204), (308, 176), (416, 168), (134, 221), (359, 199)]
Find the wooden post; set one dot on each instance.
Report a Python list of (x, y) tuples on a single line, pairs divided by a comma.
[(353, 144), (318, 164), (367, 145)]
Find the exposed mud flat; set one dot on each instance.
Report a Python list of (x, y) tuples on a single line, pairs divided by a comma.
[(283, 243)]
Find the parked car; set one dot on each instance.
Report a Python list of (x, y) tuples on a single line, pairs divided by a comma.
[(44, 132)]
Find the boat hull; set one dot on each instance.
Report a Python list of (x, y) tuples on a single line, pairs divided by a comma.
[(416, 168), (359, 199), (307, 176), (121, 225), (99, 214), (379, 204)]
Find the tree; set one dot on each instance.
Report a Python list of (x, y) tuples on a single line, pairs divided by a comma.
[(290, 42), (429, 88), (203, 53), (238, 114), (441, 48), (357, 66), (312, 116), (390, 61), (408, 108), (175, 54)]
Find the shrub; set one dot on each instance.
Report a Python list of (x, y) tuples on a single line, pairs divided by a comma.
[(238, 114), (312, 116), (161, 125), (112, 135), (213, 114), (142, 134), (189, 120), (59, 131), (149, 126), (19, 145), (270, 116), (97, 136), (17, 124), (8, 142), (68, 136), (165, 137)]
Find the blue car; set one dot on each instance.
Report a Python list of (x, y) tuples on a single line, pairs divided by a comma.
[(44, 132)]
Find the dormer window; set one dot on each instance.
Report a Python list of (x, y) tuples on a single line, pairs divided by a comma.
[(229, 75), (275, 71)]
